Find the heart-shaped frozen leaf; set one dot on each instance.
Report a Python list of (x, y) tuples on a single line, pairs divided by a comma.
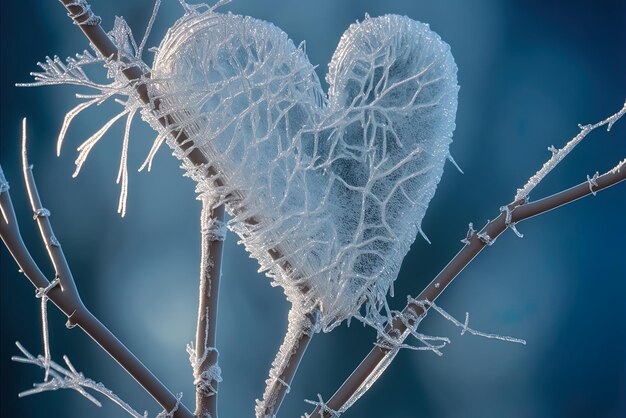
[(327, 192)]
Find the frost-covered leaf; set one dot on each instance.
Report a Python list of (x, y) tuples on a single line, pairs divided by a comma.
[(326, 191)]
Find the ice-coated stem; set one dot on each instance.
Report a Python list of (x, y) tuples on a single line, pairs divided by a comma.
[(374, 364), (66, 296), (204, 357), (559, 155), (300, 331)]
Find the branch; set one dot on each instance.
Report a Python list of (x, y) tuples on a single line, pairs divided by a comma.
[(300, 331), (379, 358), (204, 357), (69, 378), (82, 15), (66, 296)]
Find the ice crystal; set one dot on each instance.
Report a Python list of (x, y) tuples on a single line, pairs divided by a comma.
[(204, 378), (326, 191), (72, 71), (68, 378), (592, 182), (559, 155), (324, 409), (394, 342)]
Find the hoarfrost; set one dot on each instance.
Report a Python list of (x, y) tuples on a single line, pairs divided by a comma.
[(170, 413), (592, 182), (298, 326), (614, 170), (72, 71), (85, 14), (68, 378), (470, 233), (203, 379), (508, 220), (559, 155), (484, 237), (327, 192), (393, 343), (42, 293), (324, 409)]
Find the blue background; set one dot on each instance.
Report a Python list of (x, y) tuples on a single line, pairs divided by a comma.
[(529, 72)]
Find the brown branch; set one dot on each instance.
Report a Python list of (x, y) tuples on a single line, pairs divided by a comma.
[(204, 357), (299, 334), (373, 364), (66, 296)]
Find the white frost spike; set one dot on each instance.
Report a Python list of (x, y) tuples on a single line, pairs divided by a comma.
[(142, 45), (614, 170), (160, 139), (559, 155), (324, 409), (425, 304), (394, 343), (170, 414), (42, 294), (85, 148), (69, 378), (68, 120), (592, 182), (327, 191), (122, 174)]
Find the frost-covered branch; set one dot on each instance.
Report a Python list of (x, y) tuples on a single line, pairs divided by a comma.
[(68, 378), (374, 364), (204, 356), (65, 295), (300, 331), (560, 154)]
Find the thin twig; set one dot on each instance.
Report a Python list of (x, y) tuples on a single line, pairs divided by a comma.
[(299, 334), (204, 357), (374, 364), (69, 378), (66, 296)]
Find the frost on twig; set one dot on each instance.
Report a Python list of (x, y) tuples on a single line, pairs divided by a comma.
[(485, 238), (508, 212), (204, 376), (392, 343), (171, 412), (593, 182), (42, 293), (301, 327), (618, 167), (324, 409), (84, 15), (430, 343), (69, 378), (559, 155), (72, 71), (470, 233)]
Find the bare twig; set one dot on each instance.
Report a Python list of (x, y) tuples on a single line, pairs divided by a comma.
[(204, 358), (379, 358), (66, 296)]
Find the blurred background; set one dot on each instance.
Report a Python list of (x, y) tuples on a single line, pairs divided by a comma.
[(529, 71)]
